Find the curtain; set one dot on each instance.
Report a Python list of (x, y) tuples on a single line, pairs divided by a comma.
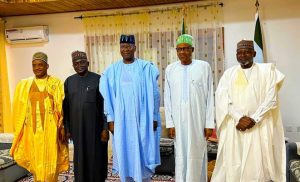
[(156, 31), (5, 123)]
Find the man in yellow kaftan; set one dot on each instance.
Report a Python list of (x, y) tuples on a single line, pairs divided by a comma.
[(38, 143)]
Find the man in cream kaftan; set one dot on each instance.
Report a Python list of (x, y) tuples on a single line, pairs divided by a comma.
[(189, 111), (251, 138), (38, 144)]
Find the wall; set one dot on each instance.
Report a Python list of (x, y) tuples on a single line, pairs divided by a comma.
[(280, 21), (65, 35)]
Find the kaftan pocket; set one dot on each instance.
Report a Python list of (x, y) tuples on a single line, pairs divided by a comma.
[(197, 85), (90, 94)]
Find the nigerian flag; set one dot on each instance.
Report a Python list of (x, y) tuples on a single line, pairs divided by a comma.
[(258, 41)]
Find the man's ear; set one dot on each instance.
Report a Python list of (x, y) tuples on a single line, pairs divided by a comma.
[(254, 53), (88, 63)]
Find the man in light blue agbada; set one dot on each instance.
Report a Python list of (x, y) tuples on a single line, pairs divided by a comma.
[(189, 107), (131, 102)]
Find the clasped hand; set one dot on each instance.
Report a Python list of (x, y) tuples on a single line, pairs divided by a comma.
[(245, 123)]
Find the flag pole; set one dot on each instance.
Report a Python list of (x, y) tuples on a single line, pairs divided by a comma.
[(183, 24), (258, 39), (257, 5)]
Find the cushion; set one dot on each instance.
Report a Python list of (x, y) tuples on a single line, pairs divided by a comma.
[(166, 146), (164, 130), (212, 147), (5, 159), (295, 169), (6, 137)]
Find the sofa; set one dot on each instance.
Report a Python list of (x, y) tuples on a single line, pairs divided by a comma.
[(292, 162), (9, 170)]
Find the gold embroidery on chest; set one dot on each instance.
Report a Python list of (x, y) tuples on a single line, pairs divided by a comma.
[(40, 97)]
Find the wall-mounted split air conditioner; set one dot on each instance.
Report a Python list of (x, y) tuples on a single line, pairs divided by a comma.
[(36, 34)]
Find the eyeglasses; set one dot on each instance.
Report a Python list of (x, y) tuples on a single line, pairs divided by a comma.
[(78, 63), (185, 49)]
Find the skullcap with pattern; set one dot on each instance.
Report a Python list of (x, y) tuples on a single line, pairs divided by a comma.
[(185, 38), (76, 55), (127, 39), (245, 44), (40, 56)]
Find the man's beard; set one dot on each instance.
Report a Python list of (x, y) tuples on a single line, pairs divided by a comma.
[(246, 63)]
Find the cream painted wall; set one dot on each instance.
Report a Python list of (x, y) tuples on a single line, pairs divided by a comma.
[(280, 22), (65, 35)]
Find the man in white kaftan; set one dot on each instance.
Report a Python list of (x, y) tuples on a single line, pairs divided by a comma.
[(250, 131), (189, 107)]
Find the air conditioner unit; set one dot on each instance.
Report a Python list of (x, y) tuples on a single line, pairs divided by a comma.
[(34, 34)]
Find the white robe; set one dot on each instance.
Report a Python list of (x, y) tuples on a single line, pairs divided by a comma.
[(258, 154), (189, 107)]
